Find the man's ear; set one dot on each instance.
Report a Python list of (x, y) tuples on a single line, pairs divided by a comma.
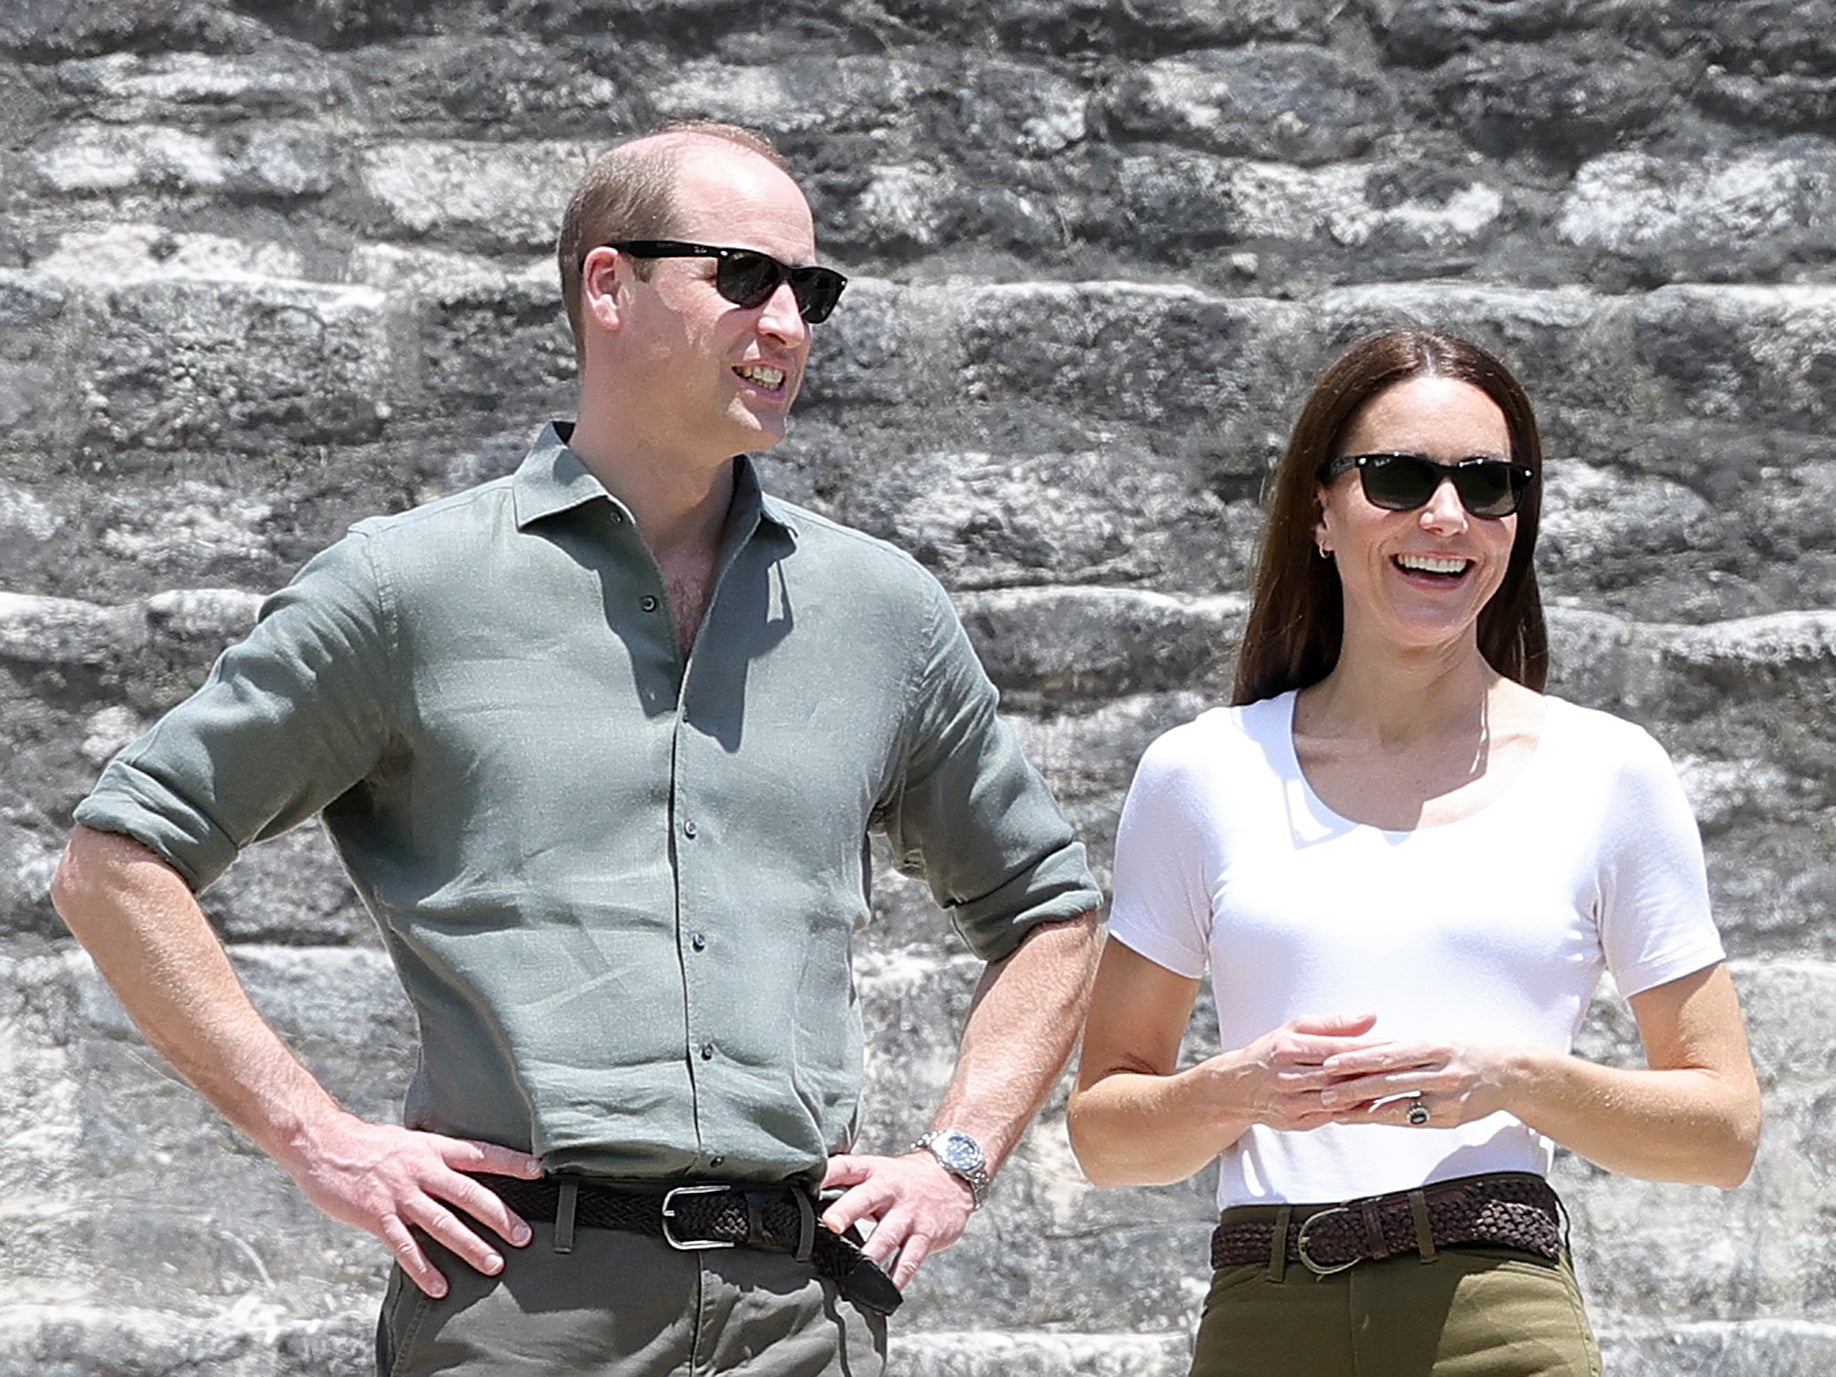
[(603, 276)]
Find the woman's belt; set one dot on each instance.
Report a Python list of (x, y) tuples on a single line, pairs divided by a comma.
[(1507, 1209)]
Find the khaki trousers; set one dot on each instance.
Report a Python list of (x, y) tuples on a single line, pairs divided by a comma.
[(623, 1305), (1466, 1312)]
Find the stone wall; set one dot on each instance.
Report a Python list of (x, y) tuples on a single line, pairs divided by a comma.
[(269, 265)]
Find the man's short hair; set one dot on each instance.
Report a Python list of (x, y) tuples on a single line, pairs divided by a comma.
[(630, 193)]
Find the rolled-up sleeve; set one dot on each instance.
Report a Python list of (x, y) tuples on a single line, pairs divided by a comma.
[(288, 719), (970, 813)]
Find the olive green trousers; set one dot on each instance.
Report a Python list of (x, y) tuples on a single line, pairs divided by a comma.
[(1465, 1312), (623, 1305)]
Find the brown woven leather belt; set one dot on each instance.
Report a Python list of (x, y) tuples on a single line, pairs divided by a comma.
[(1507, 1209), (696, 1216)]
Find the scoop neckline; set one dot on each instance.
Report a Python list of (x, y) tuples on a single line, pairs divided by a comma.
[(1327, 813)]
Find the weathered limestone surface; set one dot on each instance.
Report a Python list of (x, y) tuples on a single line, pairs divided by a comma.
[(267, 268)]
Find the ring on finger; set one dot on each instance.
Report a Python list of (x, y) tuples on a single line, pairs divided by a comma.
[(1418, 1112)]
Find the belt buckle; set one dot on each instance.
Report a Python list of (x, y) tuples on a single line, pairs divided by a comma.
[(668, 1212), (1320, 1269)]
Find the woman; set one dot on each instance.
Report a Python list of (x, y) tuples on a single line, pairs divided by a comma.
[(1404, 868)]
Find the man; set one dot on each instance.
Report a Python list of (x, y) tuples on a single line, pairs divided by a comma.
[(600, 745)]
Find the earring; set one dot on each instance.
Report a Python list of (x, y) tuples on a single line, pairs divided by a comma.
[(1324, 552)]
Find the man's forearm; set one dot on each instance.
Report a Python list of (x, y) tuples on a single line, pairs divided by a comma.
[(152, 943), (1023, 1024)]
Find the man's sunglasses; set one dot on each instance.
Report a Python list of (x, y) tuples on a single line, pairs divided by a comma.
[(747, 277), (1403, 482)]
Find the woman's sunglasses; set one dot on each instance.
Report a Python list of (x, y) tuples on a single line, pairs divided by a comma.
[(747, 277), (1403, 482)]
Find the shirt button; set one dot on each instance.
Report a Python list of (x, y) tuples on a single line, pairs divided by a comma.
[(699, 942), (707, 1051), (689, 830), (717, 1161), (648, 602)]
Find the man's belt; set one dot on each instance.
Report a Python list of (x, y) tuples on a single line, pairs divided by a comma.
[(772, 1219), (1510, 1209)]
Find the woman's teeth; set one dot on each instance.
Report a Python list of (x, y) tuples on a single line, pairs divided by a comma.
[(1432, 564)]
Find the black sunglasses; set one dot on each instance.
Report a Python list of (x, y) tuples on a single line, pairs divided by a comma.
[(1403, 482), (747, 277)]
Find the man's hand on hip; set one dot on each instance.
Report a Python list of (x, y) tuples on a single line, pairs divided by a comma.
[(391, 1180), (916, 1207)]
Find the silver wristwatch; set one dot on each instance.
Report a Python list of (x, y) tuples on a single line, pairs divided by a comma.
[(960, 1155)]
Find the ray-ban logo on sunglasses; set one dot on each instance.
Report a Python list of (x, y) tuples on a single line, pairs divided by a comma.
[(747, 277)]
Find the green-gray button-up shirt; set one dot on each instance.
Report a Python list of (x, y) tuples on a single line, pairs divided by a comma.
[(620, 884)]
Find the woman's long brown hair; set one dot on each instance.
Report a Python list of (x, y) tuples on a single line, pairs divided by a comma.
[(1298, 619)]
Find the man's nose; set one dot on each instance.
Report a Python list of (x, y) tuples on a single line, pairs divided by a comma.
[(780, 316)]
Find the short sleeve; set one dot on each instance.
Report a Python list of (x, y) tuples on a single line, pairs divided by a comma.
[(288, 719), (1162, 902), (968, 811), (1655, 922)]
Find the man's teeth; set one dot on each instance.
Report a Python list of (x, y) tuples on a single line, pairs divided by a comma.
[(1432, 564), (762, 375)]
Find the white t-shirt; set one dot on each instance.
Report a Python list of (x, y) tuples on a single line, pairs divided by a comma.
[(1493, 928)]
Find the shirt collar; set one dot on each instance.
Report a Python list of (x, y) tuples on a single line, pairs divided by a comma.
[(553, 479)]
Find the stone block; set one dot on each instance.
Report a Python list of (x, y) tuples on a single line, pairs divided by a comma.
[(236, 366), (155, 87), (289, 892), (489, 85), (1090, 28), (1679, 217), (27, 526), (981, 1353), (1067, 645), (41, 30), (1776, 1347), (268, 161), (254, 1338), (62, 631), (488, 338), (1540, 334), (987, 520), (498, 196), (878, 349), (1760, 356), (1091, 756), (1789, 102), (1561, 99), (39, 390), (1290, 102), (1762, 38), (1168, 357), (1423, 33), (138, 251), (875, 94)]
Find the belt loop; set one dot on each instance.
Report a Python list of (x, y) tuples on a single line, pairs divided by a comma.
[(806, 1225), (755, 1218), (1375, 1243), (1424, 1233), (564, 1214), (1278, 1246)]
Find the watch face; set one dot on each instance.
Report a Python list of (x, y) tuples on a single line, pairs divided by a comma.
[(959, 1151)]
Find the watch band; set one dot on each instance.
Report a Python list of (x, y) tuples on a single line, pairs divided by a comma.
[(960, 1155)]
